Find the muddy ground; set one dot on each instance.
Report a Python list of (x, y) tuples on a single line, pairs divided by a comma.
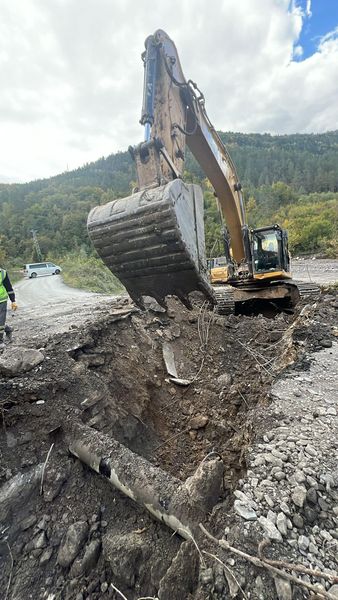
[(256, 390)]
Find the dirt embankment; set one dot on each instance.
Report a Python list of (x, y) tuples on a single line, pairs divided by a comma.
[(66, 533)]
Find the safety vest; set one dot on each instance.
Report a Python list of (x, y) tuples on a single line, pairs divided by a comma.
[(3, 291)]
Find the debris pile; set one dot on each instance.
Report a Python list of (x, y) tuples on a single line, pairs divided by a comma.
[(238, 414)]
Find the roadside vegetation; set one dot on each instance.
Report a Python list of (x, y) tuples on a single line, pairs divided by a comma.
[(88, 273)]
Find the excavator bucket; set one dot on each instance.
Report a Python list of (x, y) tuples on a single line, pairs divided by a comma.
[(153, 241)]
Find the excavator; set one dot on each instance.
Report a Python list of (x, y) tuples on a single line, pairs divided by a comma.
[(153, 240)]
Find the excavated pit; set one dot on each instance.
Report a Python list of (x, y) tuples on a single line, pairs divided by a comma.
[(112, 377)]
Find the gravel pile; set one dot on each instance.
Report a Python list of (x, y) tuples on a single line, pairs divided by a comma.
[(290, 493)]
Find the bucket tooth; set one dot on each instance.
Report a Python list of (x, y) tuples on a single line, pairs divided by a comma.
[(153, 241)]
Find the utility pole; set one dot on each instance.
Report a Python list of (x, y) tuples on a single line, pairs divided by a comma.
[(36, 244)]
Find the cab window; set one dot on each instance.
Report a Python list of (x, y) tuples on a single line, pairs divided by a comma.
[(265, 250)]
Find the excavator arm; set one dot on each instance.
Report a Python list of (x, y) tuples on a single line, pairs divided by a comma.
[(174, 113)]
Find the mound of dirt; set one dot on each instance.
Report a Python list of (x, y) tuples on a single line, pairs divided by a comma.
[(177, 388)]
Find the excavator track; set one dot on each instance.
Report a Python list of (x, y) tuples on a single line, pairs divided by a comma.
[(225, 297), (225, 302), (308, 291)]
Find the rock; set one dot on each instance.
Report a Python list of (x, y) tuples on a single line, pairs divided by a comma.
[(198, 422), (204, 486), (310, 450), (269, 500), (326, 536), (299, 495), (298, 521), (18, 492), (40, 541), (279, 476), (54, 479), (225, 380), (43, 523), (281, 523), (19, 360), (271, 516), (311, 496), (331, 411), (303, 543), (323, 504), (125, 555), (326, 343), (310, 514), (259, 461), (284, 507), (75, 537), (104, 587), (245, 499), (245, 511), (299, 476), (91, 556), (28, 522), (283, 589), (311, 481), (313, 548), (270, 529), (334, 590), (45, 556), (273, 460), (182, 575)]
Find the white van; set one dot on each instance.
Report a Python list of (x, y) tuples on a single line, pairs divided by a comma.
[(46, 268)]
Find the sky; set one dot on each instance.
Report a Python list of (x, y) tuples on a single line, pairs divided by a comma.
[(71, 72)]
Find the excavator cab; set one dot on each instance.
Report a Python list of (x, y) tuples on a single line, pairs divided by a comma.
[(270, 255)]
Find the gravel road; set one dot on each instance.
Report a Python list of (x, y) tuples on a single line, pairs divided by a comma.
[(46, 306), (320, 271)]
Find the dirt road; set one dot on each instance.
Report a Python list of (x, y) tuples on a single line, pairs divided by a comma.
[(47, 305)]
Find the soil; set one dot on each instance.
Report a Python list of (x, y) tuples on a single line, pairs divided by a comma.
[(66, 533)]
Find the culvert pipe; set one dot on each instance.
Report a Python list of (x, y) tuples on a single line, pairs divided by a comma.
[(180, 505)]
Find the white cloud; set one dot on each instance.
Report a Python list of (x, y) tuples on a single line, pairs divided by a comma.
[(73, 75), (298, 51), (308, 8)]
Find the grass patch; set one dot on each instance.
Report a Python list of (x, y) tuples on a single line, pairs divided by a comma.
[(15, 275), (89, 273)]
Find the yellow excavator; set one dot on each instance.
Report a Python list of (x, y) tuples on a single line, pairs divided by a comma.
[(153, 240)]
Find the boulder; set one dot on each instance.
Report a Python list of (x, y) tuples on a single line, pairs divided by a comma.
[(15, 360), (74, 539), (125, 555)]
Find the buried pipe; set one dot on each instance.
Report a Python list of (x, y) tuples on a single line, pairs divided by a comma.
[(180, 505)]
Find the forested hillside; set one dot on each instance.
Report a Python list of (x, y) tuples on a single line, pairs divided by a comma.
[(291, 179)]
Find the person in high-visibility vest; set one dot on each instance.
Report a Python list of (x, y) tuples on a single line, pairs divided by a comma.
[(6, 291)]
